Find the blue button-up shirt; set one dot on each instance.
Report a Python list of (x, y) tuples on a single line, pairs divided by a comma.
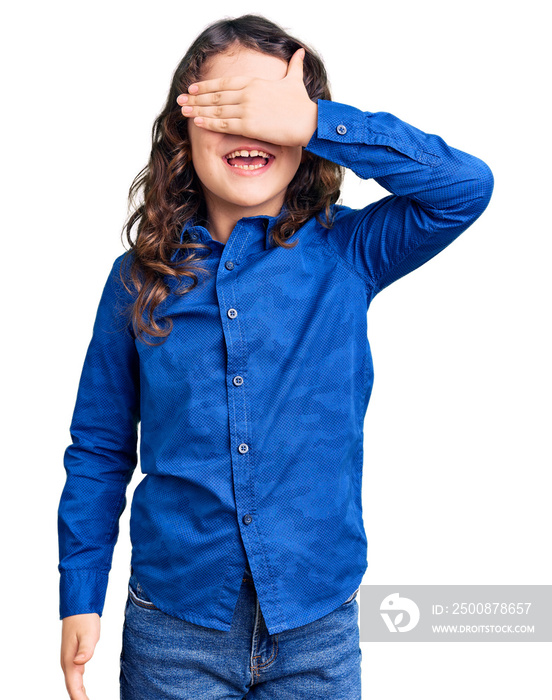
[(251, 413)]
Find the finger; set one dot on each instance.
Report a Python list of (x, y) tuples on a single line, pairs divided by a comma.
[(231, 82), (226, 97), (226, 126), (295, 65), (74, 681), (218, 112)]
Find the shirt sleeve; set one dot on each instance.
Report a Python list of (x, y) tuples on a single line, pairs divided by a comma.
[(437, 191), (102, 457)]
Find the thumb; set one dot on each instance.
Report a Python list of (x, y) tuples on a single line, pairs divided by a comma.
[(84, 651), (295, 65)]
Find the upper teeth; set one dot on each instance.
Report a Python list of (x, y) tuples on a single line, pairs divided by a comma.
[(244, 153)]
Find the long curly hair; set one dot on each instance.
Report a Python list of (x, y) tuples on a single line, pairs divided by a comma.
[(172, 193)]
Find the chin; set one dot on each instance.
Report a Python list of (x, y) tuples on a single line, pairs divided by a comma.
[(250, 197)]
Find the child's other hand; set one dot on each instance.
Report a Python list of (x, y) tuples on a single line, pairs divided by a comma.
[(79, 636), (275, 111)]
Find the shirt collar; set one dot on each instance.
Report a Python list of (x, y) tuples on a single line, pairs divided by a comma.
[(251, 234)]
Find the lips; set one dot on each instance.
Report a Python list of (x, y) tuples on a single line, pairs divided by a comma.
[(258, 170), (250, 164)]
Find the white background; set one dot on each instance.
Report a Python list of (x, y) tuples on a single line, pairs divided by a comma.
[(457, 460)]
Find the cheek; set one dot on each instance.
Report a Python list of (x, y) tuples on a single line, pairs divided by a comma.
[(197, 141), (293, 161), (202, 141), (295, 156)]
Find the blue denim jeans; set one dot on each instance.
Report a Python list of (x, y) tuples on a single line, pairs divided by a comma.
[(165, 658)]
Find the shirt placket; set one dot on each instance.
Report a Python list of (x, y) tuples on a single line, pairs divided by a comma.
[(239, 404)]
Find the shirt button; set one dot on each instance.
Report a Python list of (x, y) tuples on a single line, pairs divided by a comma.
[(229, 265), (231, 313), (243, 448), (238, 381), (247, 519), (341, 129), (193, 236), (390, 149)]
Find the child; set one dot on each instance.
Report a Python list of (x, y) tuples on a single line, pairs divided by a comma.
[(250, 381)]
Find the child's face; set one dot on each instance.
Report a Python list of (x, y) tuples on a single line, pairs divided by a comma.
[(232, 190)]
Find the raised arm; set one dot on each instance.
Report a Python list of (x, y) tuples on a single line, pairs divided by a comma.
[(437, 191)]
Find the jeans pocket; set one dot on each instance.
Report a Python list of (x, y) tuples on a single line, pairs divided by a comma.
[(137, 594)]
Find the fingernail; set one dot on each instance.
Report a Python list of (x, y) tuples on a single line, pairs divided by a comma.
[(193, 88), (181, 99)]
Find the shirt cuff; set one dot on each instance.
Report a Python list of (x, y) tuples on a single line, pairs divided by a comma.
[(338, 122), (82, 591), (341, 125)]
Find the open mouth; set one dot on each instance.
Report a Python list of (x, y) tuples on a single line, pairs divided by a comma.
[(249, 160)]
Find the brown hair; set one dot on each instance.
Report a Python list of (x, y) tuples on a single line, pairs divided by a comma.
[(171, 188)]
